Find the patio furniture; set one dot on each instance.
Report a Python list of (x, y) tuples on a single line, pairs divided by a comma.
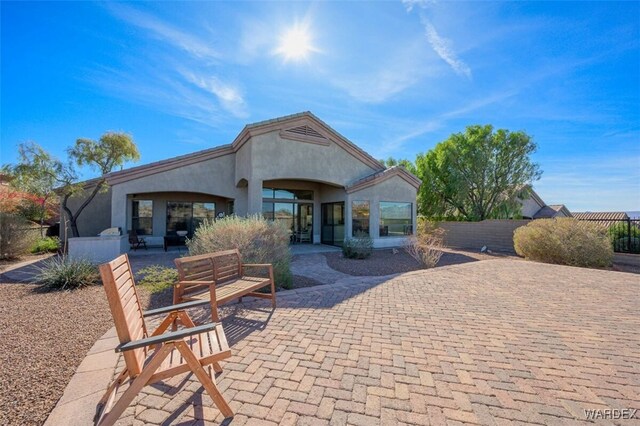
[(135, 241), (150, 358), (174, 240), (305, 236), (218, 278)]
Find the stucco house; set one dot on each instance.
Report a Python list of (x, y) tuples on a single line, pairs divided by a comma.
[(533, 207), (293, 169)]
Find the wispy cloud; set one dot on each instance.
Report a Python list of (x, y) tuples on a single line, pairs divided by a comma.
[(443, 47), (160, 91), (229, 96), (410, 4), (166, 83), (161, 30), (378, 86)]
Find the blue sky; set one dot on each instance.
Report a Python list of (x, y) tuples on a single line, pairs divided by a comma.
[(396, 78)]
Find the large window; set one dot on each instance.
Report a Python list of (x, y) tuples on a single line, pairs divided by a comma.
[(360, 217), (142, 217), (187, 216), (395, 219), (287, 194)]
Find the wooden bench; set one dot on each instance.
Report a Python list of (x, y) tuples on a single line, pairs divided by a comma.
[(220, 277)]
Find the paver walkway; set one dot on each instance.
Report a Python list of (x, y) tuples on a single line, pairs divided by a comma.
[(489, 342)]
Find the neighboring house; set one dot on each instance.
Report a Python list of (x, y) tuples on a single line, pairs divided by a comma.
[(603, 218), (534, 207), (294, 169)]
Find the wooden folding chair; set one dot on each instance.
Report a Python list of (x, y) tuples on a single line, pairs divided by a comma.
[(154, 357)]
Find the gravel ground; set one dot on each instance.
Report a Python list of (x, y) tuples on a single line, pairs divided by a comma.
[(386, 262), (45, 336)]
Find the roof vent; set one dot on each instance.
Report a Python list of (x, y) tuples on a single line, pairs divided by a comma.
[(304, 133)]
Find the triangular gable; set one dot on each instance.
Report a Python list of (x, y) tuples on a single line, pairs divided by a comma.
[(291, 127)]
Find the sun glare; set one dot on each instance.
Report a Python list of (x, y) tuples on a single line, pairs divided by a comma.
[(295, 44)]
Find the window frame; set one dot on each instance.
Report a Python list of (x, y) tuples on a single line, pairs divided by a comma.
[(190, 219), (407, 227), (137, 217), (354, 219)]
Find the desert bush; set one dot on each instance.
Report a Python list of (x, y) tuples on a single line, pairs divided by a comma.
[(64, 273), (358, 247), (15, 236), (564, 241), (46, 245), (257, 239), (426, 246), (156, 278)]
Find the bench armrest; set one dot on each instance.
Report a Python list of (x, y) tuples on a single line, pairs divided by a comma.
[(263, 265), (166, 337), (171, 308)]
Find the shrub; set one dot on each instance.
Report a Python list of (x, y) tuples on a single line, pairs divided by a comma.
[(620, 233), (46, 245), (15, 236), (156, 278), (426, 246), (358, 247), (64, 273), (564, 241), (257, 239)]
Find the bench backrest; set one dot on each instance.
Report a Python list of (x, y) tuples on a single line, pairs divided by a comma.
[(220, 267), (124, 304), (227, 266)]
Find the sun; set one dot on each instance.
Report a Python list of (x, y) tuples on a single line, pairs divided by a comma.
[(295, 44)]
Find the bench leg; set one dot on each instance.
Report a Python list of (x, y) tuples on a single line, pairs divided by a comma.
[(273, 289)]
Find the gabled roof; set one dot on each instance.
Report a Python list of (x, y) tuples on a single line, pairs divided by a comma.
[(601, 216), (318, 125), (383, 175), (303, 126), (561, 208)]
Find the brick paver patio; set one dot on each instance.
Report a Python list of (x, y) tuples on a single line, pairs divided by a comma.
[(489, 342)]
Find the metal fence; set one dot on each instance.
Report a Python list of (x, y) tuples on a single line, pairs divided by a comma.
[(624, 233)]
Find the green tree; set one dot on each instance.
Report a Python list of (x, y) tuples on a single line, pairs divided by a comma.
[(407, 164), (110, 151), (476, 174)]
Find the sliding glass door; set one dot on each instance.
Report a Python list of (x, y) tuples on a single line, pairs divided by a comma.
[(333, 224), (297, 217)]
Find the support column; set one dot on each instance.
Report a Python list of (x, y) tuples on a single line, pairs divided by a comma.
[(119, 209), (254, 196)]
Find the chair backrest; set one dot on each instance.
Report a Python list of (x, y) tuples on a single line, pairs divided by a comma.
[(133, 237), (227, 266), (124, 303)]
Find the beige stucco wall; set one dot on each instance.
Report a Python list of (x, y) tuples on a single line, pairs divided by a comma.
[(394, 189), (213, 177), (95, 218), (160, 200), (276, 158)]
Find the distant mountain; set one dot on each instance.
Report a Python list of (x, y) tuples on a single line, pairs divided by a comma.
[(634, 215)]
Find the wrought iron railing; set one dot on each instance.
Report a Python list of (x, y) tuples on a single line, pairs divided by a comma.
[(624, 233)]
